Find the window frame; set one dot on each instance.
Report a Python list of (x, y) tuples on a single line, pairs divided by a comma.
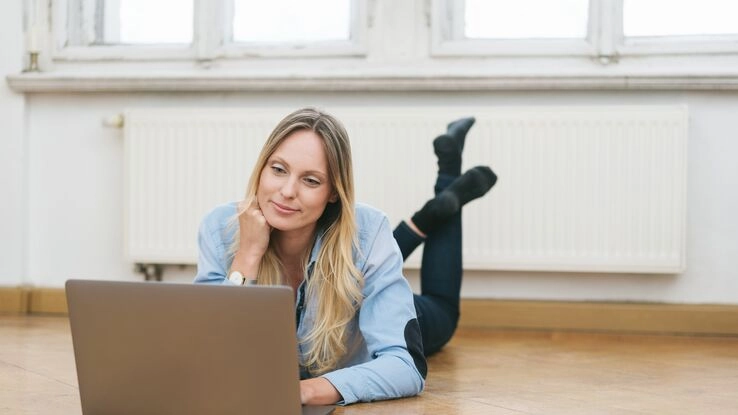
[(605, 40), (448, 37), (696, 45), (678, 45), (389, 53), (210, 32), (354, 46)]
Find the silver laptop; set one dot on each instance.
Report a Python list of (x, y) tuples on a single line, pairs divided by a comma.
[(161, 348)]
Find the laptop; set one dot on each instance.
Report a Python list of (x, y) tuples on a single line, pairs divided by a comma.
[(164, 348)]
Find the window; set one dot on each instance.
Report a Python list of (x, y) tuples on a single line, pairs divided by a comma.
[(603, 29), (505, 28), (525, 19), (414, 45), (206, 29), (291, 21), (642, 18), (128, 22), (686, 27), (140, 21)]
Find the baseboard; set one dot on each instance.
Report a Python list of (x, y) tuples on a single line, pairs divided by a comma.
[(655, 318), (14, 300), (47, 301), (31, 300), (694, 319)]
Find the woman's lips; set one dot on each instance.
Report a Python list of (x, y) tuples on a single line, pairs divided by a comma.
[(282, 208)]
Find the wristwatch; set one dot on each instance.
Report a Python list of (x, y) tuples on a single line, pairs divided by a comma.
[(237, 278)]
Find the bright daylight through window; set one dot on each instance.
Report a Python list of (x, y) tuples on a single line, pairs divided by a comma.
[(525, 19), (642, 18), (147, 22), (291, 21)]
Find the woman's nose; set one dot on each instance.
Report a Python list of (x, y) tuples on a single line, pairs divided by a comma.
[(289, 188)]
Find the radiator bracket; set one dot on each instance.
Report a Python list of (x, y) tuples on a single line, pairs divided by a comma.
[(151, 272)]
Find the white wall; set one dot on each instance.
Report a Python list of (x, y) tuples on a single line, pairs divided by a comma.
[(61, 184), (75, 188), (12, 151)]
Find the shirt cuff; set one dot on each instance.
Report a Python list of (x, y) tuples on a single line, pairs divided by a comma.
[(342, 381)]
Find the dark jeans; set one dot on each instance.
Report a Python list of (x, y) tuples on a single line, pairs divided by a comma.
[(440, 276)]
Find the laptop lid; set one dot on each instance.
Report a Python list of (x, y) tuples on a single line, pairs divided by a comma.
[(156, 348)]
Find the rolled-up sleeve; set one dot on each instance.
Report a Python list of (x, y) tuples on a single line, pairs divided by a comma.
[(388, 323)]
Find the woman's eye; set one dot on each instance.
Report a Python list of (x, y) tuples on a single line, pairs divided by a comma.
[(312, 182), (278, 169)]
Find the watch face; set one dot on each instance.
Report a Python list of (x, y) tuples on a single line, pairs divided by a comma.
[(236, 277)]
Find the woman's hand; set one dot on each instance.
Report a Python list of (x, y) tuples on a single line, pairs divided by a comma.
[(318, 391), (254, 240)]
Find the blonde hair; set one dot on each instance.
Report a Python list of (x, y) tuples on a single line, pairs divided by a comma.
[(335, 282)]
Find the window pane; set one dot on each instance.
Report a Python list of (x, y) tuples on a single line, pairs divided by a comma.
[(148, 21), (525, 19), (679, 18), (291, 20)]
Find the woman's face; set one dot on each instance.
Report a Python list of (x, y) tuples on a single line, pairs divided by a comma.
[(294, 188)]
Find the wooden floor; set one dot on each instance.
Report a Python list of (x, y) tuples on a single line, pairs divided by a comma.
[(479, 372)]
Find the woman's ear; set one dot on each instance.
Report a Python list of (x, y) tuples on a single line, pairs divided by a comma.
[(333, 198)]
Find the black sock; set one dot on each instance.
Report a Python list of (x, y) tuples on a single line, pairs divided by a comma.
[(449, 155), (448, 147), (436, 211), (458, 129), (471, 185)]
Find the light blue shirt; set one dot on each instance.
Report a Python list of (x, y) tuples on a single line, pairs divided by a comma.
[(385, 355)]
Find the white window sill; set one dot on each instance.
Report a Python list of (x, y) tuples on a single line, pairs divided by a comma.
[(77, 82), (368, 74)]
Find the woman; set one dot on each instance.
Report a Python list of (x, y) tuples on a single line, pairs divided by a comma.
[(359, 337)]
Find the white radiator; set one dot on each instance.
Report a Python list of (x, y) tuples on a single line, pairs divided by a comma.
[(600, 189)]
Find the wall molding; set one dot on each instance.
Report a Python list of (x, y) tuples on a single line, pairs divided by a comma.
[(640, 318)]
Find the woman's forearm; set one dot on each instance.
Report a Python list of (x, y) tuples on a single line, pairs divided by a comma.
[(246, 264), (318, 391)]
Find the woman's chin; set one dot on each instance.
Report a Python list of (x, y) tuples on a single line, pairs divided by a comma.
[(279, 224), (279, 228), (283, 225)]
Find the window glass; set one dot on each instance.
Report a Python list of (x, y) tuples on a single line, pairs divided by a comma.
[(147, 22), (291, 20), (525, 19), (679, 18)]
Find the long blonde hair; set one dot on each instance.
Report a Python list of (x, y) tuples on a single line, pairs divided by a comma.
[(335, 282)]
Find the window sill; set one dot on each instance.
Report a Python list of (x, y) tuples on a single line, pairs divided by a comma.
[(50, 82)]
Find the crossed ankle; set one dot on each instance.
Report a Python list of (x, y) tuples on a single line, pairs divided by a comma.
[(473, 184), (436, 211)]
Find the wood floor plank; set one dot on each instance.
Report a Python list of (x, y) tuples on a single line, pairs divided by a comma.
[(479, 372), (25, 392)]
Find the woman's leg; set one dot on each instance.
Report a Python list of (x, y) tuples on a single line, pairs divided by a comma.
[(438, 224), (440, 280), (441, 268), (448, 148)]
